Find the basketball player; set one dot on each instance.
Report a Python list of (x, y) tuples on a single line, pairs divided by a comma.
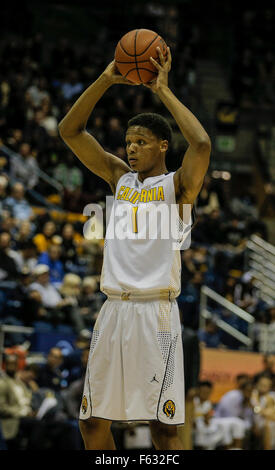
[(135, 368)]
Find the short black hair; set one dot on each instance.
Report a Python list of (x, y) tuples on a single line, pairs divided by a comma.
[(205, 383), (155, 123)]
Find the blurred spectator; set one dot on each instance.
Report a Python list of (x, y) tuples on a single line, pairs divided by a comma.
[(43, 239), (24, 167), (207, 200), (264, 409), (71, 85), (210, 431), (51, 258), (18, 205), (50, 374), (69, 253), (8, 266), (15, 402), (23, 235), (210, 335), (3, 189), (26, 256), (73, 394), (90, 301), (236, 403), (268, 369), (73, 365), (61, 310), (68, 174)]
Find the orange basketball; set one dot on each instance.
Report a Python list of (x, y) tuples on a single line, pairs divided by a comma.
[(133, 52)]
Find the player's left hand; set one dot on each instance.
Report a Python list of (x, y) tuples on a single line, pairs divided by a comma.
[(163, 68)]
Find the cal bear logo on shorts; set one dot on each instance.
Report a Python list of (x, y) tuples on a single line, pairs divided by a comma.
[(169, 409), (84, 405)]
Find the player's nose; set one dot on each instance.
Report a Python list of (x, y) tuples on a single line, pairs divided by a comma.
[(132, 148)]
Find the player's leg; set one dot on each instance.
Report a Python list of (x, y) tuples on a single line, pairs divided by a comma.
[(96, 434), (165, 436)]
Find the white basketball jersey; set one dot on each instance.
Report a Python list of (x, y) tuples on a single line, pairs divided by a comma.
[(144, 260)]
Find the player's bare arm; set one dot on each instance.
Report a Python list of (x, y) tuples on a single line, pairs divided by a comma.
[(188, 179), (73, 131)]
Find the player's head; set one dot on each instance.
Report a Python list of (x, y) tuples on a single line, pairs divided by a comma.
[(264, 384), (205, 388), (147, 140)]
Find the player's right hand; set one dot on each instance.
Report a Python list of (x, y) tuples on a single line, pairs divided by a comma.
[(114, 76)]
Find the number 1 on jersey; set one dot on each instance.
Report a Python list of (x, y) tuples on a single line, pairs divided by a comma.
[(134, 219)]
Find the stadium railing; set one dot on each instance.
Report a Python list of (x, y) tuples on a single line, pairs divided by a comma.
[(207, 293)]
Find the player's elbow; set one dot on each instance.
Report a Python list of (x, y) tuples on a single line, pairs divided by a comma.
[(204, 144), (66, 131)]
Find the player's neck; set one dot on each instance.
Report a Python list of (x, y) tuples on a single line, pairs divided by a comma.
[(154, 172)]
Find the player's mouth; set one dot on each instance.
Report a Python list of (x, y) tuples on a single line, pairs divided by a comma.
[(133, 161)]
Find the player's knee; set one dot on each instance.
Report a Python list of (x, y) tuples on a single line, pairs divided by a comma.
[(163, 431), (93, 425)]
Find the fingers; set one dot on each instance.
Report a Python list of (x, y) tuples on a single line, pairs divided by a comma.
[(163, 62), (156, 64), (169, 55)]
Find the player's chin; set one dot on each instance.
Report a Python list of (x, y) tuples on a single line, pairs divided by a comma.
[(135, 164)]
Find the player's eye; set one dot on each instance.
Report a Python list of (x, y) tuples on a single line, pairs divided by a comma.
[(141, 142)]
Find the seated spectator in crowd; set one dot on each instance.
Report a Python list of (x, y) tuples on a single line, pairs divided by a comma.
[(49, 122), (72, 85), (211, 431), (43, 239), (23, 234), (26, 256), (51, 258), (69, 255), (3, 190), (50, 374), (17, 205), (62, 310), (264, 408), (24, 167), (22, 305), (68, 174), (210, 335), (35, 133), (236, 403), (268, 369), (73, 394), (71, 287), (72, 362), (15, 402), (90, 301), (8, 266), (207, 200), (37, 92)]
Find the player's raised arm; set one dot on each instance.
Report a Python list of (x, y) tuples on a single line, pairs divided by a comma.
[(189, 177), (73, 131)]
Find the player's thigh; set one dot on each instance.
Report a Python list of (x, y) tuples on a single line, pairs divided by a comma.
[(159, 429), (94, 425)]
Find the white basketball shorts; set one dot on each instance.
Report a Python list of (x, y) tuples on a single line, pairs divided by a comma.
[(135, 367)]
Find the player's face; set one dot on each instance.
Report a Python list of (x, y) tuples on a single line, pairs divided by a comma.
[(143, 148)]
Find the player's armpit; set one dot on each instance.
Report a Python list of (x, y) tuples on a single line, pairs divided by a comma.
[(188, 179), (93, 156)]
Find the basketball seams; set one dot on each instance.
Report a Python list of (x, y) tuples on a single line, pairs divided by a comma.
[(149, 45), (135, 45), (140, 68)]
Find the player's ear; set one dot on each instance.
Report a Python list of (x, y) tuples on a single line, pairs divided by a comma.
[(164, 146)]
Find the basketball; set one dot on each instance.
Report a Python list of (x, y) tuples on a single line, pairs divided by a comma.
[(133, 52)]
